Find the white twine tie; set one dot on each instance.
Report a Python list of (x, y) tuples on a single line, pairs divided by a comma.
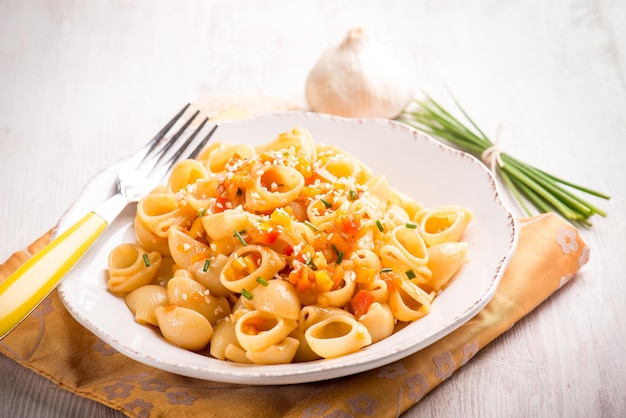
[(492, 155)]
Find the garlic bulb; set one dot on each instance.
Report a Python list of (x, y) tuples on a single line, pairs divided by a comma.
[(359, 78)]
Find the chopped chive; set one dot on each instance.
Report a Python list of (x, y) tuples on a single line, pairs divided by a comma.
[(386, 270), (352, 194), (379, 226), (411, 274), (146, 260), (201, 213), (326, 203), (410, 225), (310, 225), (262, 281), (338, 253), (311, 264), (246, 294), (237, 234), (207, 263)]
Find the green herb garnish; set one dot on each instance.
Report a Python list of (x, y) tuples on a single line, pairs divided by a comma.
[(310, 225), (246, 294), (311, 264), (410, 274), (326, 203), (146, 260), (410, 225), (528, 184), (262, 281), (338, 253), (379, 226), (237, 234), (207, 263), (386, 270)]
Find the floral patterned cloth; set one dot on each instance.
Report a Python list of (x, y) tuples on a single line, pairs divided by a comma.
[(549, 253)]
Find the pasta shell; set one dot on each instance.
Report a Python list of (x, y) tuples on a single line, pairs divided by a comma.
[(222, 224), (209, 275), (237, 354), (379, 187), (304, 352), (298, 139), (406, 251), (312, 314), (342, 166), (185, 173), (280, 353), (409, 302), (443, 224), (148, 239), (444, 261), (379, 321), (257, 330), (340, 296), (186, 292), (407, 203), (247, 264), (200, 195), (278, 297), (184, 327), (144, 300), (337, 336), (378, 289), (131, 267), (274, 186), (223, 335), (218, 159), (185, 250)]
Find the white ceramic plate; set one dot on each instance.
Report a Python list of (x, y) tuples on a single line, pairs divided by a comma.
[(414, 163)]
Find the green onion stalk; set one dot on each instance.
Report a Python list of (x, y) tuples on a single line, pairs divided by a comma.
[(528, 184)]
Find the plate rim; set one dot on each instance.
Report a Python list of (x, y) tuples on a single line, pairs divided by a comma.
[(308, 371)]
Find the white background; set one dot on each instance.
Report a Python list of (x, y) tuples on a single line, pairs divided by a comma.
[(82, 84)]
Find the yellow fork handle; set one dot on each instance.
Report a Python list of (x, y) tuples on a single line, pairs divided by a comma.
[(29, 285)]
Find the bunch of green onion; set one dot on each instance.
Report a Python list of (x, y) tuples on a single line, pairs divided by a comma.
[(547, 193)]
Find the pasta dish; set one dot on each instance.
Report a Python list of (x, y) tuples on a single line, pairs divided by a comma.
[(289, 251)]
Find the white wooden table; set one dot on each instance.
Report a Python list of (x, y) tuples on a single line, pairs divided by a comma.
[(83, 83)]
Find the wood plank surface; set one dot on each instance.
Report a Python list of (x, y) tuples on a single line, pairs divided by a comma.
[(82, 84)]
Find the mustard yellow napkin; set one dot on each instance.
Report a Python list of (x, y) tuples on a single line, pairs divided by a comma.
[(51, 343)]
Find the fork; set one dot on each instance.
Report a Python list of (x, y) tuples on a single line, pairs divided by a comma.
[(29, 285)]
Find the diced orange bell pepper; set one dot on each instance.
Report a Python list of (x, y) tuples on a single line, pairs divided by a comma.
[(361, 302)]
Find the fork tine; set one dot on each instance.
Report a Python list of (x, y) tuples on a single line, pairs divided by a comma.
[(159, 136), (185, 144), (165, 147), (197, 149), (177, 156), (202, 143)]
